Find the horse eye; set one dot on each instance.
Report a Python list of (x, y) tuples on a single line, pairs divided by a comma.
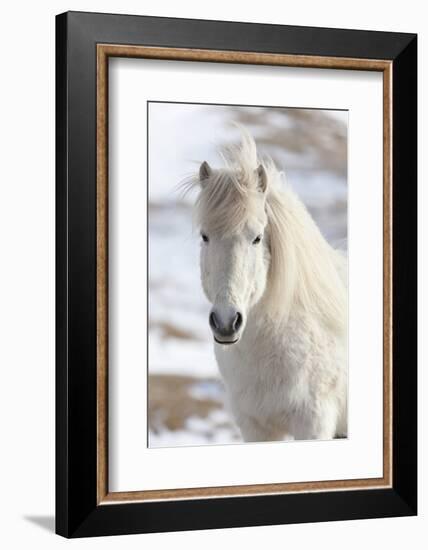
[(257, 239), (204, 237)]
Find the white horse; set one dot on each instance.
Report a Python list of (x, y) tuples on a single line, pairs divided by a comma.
[(279, 301)]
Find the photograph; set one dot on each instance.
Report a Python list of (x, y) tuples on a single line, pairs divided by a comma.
[(236, 269), (247, 274), (211, 293)]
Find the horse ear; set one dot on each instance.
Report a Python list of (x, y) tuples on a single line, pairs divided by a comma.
[(261, 174), (205, 171)]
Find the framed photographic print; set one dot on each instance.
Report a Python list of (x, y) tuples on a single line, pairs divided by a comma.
[(236, 274)]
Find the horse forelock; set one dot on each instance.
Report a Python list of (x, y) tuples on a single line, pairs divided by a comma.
[(230, 196)]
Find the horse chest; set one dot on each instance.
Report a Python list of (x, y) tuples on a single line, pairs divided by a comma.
[(266, 382)]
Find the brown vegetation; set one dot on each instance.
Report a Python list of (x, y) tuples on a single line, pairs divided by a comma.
[(171, 402)]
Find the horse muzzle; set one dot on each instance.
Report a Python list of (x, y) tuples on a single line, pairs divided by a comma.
[(226, 325)]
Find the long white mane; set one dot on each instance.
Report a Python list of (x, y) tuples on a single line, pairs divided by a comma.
[(305, 271)]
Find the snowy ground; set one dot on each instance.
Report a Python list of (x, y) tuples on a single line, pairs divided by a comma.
[(188, 411), (185, 393)]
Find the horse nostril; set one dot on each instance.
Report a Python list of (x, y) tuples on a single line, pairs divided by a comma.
[(213, 321), (237, 322)]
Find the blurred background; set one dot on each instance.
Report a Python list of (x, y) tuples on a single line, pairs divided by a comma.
[(185, 395)]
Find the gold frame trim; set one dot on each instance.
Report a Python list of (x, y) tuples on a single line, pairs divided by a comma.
[(104, 51)]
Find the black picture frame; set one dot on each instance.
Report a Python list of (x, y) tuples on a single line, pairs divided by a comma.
[(77, 512)]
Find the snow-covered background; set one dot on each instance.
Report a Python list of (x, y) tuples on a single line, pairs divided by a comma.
[(185, 392)]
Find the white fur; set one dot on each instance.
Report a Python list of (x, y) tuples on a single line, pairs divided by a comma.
[(287, 374)]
